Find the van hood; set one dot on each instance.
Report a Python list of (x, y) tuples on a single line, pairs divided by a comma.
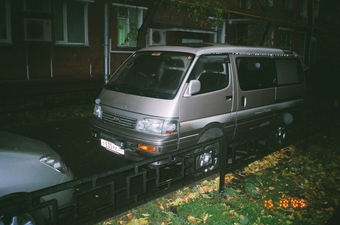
[(143, 105)]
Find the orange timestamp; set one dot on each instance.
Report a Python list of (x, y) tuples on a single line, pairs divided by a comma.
[(286, 203)]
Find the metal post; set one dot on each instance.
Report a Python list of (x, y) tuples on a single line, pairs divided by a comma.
[(106, 41), (223, 163)]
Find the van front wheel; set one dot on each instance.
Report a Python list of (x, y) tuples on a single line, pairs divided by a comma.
[(32, 218), (209, 158)]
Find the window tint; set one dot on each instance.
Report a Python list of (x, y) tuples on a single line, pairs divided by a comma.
[(288, 71), (212, 71), (254, 73)]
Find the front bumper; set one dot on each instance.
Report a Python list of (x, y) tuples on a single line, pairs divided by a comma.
[(129, 140)]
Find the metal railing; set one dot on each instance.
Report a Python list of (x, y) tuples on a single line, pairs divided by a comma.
[(110, 193)]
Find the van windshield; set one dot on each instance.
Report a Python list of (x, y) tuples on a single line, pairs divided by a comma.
[(151, 74)]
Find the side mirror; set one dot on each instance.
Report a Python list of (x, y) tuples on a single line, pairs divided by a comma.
[(193, 87)]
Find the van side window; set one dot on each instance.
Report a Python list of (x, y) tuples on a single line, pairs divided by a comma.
[(254, 73), (288, 71), (212, 71)]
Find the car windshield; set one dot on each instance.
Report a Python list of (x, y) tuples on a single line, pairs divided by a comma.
[(151, 74)]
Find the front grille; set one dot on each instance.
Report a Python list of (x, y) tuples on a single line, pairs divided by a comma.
[(119, 120)]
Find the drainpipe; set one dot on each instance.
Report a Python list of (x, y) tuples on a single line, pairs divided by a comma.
[(27, 66), (51, 59), (106, 42), (311, 34)]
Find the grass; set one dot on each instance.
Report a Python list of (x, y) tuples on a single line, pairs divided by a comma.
[(291, 186)]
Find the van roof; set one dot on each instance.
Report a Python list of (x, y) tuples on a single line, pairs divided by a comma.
[(208, 48)]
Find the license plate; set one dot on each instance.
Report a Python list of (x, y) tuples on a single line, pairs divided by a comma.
[(111, 147)]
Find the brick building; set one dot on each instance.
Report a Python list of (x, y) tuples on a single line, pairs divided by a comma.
[(52, 51)]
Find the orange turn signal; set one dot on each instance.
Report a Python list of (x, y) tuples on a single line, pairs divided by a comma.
[(147, 148)]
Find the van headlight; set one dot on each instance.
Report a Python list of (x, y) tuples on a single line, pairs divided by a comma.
[(54, 162), (157, 126), (97, 111)]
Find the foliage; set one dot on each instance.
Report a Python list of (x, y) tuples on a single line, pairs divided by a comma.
[(199, 11), (290, 186)]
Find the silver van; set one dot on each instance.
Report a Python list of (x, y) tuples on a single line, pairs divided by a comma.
[(170, 97)]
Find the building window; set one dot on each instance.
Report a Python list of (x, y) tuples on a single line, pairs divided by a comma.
[(316, 8), (286, 38), (5, 23), (304, 5), (129, 21), (270, 3), (242, 33), (244, 4), (303, 12), (71, 23), (288, 4)]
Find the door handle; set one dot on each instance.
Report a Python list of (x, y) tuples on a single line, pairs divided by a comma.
[(228, 98), (243, 101)]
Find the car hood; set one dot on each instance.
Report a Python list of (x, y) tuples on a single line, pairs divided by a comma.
[(16, 143), (21, 169)]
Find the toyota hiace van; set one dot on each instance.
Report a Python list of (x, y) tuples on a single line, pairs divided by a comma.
[(170, 97)]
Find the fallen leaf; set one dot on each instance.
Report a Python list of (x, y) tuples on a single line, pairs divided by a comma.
[(244, 219), (205, 217), (192, 219), (193, 195), (330, 209), (177, 202)]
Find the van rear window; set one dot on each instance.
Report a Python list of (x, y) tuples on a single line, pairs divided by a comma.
[(255, 73), (288, 71), (260, 72)]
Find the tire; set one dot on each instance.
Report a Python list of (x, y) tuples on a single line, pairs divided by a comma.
[(31, 218), (208, 157), (279, 135)]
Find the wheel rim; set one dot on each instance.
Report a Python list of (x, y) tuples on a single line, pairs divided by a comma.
[(280, 135), (208, 158), (24, 219), (205, 159)]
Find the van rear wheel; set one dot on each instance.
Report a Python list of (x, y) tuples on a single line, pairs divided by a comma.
[(279, 137)]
